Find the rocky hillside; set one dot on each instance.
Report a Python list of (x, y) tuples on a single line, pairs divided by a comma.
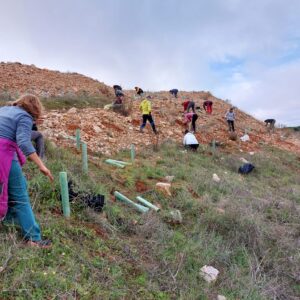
[(107, 132), (16, 79)]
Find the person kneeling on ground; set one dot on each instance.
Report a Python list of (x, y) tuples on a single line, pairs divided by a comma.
[(145, 108), (15, 139), (230, 117), (190, 141), (38, 139)]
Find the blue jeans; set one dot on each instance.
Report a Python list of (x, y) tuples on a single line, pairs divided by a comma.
[(19, 207)]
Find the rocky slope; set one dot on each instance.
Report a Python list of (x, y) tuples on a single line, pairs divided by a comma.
[(16, 79), (108, 132)]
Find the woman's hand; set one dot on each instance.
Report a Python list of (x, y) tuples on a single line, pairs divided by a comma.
[(34, 157), (46, 172)]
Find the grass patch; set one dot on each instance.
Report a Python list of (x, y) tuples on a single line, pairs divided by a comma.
[(247, 227)]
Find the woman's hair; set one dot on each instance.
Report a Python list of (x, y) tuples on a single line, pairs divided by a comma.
[(31, 104)]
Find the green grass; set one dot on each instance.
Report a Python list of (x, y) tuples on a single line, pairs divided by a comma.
[(67, 102), (246, 227)]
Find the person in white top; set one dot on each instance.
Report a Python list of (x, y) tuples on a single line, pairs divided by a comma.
[(190, 141)]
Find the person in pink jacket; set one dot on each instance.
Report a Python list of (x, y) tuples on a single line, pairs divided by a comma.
[(190, 117)]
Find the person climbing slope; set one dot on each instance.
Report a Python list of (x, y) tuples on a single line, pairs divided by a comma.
[(145, 108), (230, 117), (15, 139), (207, 105)]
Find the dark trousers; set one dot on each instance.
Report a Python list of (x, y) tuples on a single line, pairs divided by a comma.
[(192, 147), (191, 105), (194, 119), (150, 119), (230, 125), (38, 139)]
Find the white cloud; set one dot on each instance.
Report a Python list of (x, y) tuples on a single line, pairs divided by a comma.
[(164, 44), (273, 93)]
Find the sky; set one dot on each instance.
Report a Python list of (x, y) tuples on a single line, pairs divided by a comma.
[(241, 50)]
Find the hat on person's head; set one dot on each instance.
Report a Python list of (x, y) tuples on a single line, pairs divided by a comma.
[(149, 97)]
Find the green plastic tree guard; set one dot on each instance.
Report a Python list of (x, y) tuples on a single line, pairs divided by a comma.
[(121, 162), (214, 145), (78, 142), (147, 203), (114, 163), (84, 158), (129, 202), (132, 152), (64, 194)]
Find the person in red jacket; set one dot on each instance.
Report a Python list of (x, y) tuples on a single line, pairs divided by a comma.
[(187, 105), (207, 105)]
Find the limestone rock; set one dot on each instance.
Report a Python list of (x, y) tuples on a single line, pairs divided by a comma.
[(216, 178), (164, 187), (209, 273)]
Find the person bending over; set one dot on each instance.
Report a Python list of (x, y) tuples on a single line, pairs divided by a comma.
[(190, 118), (187, 105), (174, 92), (15, 141), (139, 91), (207, 105), (270, 123)]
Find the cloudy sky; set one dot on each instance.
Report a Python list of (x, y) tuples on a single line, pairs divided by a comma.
[(245, 51)]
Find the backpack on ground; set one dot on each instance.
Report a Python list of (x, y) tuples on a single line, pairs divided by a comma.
[(246, 168)]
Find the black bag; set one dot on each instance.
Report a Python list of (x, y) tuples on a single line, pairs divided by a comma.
[(246, 168)]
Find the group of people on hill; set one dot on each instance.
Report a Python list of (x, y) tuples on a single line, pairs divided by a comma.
[(18, 128), (189, 113)]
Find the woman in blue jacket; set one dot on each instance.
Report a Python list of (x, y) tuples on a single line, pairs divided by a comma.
[(15, 130)]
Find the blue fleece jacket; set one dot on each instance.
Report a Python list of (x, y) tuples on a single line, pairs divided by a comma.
[(15, 125)]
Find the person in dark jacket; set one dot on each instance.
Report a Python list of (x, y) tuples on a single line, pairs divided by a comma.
[(118, 90), (139, 91), (15, 129), (270, 123), (174, 92), (38, 139)]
